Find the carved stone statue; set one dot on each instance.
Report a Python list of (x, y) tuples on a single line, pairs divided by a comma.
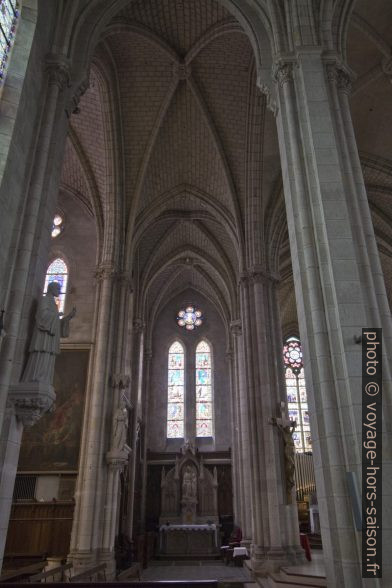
[(45, 342), (287, 427), (120, 430), (189, 483)]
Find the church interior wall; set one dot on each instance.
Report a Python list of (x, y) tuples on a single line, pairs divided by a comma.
[(211, 98), (166, 331), (77, 244)]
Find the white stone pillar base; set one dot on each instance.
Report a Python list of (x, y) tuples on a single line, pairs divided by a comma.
[(266, 560)]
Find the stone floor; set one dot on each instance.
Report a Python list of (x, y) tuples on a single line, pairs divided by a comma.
[(312, 568), (194, 571)]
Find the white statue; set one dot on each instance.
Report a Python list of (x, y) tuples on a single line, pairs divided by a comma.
[(45, 342), (189, 483), (120, 429)]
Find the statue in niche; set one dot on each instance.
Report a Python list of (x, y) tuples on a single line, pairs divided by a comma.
[(189, 483), (45, 342), (120, 430)]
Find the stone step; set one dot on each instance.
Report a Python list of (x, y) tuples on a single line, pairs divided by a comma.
[(284, 579)]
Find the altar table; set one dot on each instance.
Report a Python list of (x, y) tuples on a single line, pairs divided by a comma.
[(188, 539)]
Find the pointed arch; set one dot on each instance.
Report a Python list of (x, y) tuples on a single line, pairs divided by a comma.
[(297, 401), (58, 272), (175, 391), (204, 390)]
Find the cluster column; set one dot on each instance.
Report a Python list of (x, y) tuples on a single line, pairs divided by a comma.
[(19, 408), (87, 530), (275, 535), (339, 290)]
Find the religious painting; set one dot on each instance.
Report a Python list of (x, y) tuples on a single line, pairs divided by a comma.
[(53, 443)]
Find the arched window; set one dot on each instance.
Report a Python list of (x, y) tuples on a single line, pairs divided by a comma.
[(9, 14), (58, 272), (175, 391), (204, 424), (297, 401)]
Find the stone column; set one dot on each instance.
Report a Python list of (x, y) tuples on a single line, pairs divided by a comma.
[(328, 218), (275, 535), (86, 539), (235, 456), (55, 99), (24, 408), (146, 396), (241, 467), (26, 405), (136, 398)]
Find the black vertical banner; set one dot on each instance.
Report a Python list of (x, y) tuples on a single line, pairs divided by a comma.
[(371, 453)]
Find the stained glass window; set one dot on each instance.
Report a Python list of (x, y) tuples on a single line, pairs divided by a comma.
[(57, 226), (297, 401), (175, 394), (190, 318), (58, 272), (203, 390), (9, 14)]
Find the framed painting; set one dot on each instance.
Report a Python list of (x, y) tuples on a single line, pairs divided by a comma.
[(53, 443)]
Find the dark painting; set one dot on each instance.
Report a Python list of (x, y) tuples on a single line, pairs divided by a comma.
[(53, 443)]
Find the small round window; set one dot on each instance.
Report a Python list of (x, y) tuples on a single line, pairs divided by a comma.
[(190, 318), (57, 226)]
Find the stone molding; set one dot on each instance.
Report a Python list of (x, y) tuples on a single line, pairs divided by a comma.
[(125, 279), (117, 459), (138, 325), (31, 400), (236, 328), (75, 98), (120, 381)]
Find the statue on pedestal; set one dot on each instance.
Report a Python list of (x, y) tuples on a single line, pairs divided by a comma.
[(45, 342), (287, 427)]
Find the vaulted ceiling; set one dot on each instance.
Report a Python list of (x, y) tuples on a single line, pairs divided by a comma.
[(173, 139)]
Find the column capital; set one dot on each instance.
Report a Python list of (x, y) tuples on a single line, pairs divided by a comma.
[(236, 328), (336, 74), (138, 325), (283, 72), (259, 275), (105, 271), (58, 71)]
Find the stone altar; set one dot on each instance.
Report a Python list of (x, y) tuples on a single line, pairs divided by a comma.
[(189, 507)]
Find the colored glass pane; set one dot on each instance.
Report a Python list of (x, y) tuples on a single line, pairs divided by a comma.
[(175, 393), (296, 394), (9, 14), (57, 225), (204, 407), (190, 318), (203, 428), (58, 272)]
